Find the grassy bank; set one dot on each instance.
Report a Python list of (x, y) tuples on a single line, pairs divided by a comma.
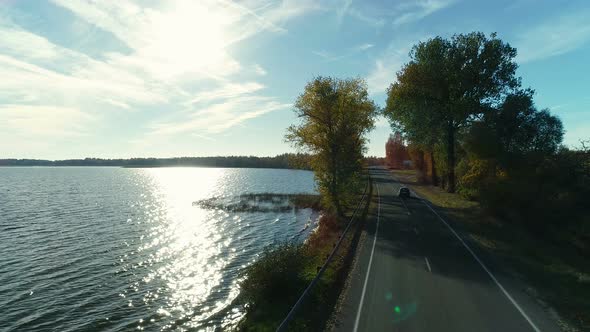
[(273, 284), (557, 273), (261, 202)]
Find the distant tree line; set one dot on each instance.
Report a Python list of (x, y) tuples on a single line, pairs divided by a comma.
[(375, 161), (471, 127), (287, 160)]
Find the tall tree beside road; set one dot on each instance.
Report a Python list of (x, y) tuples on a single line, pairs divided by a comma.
[(517, 135), (336, 115), (513, 143), (447, 84), (395, 151)]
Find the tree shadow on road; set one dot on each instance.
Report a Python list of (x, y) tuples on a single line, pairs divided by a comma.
[(409, 231)]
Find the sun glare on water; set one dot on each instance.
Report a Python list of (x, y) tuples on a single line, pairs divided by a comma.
[(191, 248)]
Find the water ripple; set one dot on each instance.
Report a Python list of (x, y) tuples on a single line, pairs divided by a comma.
[(87, 249)]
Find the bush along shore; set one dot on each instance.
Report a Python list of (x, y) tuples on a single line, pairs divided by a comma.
[(274, 283)]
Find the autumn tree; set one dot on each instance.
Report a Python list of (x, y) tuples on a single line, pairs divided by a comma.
[(395, 151), (447, 84), (336, 115)]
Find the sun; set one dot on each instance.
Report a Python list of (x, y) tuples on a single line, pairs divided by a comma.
[(188, 36)]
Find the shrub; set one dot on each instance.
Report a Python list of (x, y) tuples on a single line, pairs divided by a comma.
[(276, 274), (328, 228), (546, 197)]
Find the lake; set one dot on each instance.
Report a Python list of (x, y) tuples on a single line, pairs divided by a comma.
[(100, 248)]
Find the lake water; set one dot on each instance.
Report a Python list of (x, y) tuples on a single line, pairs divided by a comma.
[(85, 249)]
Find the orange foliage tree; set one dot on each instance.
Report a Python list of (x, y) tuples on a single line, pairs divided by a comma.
[(395, 151)]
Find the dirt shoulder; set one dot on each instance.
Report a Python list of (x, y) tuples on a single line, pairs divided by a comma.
[(558, 276)]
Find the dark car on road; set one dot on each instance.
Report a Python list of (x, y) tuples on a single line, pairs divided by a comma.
[(404, 192)]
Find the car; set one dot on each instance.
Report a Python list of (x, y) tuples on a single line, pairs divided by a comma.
[(404, 192)]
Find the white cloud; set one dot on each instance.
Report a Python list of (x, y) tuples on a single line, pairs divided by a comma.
[(418, 10), (389, 62), (42, 121), (396, 13), (556, 36), (327, 55), (386, 66), (172, 47), (286, 10), (31, 83), (18, 42), (185, 38), (259, 70), (364, 47), (218, 117), (382, 75), (348, 53), (116, 103), (229, 90), (342, 10)]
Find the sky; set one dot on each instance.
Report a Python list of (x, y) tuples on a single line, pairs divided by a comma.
[(120, 79)]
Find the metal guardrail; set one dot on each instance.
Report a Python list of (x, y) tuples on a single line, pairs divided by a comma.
[(291, 314)]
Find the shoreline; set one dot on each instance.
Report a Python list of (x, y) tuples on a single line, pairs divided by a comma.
[(302, 261)]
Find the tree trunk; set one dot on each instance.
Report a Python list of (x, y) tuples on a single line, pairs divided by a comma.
[(335, 194), (334, 182), (434, 177), (451, 157)]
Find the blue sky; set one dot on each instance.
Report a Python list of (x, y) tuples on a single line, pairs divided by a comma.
[(191, 78)]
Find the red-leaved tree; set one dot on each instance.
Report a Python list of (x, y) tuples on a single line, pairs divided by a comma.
[(395, 151)]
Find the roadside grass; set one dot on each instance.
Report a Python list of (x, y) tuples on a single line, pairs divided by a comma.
[(557, 273), (273, 284)]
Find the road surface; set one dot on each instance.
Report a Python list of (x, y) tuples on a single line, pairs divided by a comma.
[(414, 273)]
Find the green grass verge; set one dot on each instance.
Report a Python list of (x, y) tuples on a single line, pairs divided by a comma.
[(559, 275)]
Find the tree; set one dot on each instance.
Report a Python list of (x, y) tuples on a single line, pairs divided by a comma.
[(447, 84), (509, 143), (395, 151), (516, 134), (335, 117)]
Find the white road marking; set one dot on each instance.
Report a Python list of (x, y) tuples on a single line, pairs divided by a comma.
[(484, 267), (427, 264), (535, 328), (416, 230), (358, 313)]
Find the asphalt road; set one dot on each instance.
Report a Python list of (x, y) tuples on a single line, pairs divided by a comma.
[(415, 273)]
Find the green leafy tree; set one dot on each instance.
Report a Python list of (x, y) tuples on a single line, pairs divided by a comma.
[(335, 117), (515, 133), (508, 143), (447, 84)]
